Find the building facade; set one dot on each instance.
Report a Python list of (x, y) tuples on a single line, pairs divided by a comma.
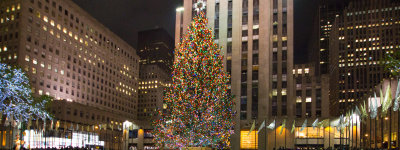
[(69, 55), (156, 57), (155, 48), (361, 37)]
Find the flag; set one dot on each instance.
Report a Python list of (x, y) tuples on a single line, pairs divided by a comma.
[(315, 123), (252, 127), (283, 126), (374, 107), (304, 125), (341, 123), (396, 97), (272, 125), (323, 123), (387, 101), (293, 126), (357, 111), (364, 111), (261, 126)]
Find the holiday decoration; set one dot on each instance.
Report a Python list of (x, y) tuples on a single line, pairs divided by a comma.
[(16, 100), (199, 6), (199, 105)]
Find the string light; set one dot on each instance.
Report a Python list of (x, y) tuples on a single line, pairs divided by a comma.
[(199, 107)]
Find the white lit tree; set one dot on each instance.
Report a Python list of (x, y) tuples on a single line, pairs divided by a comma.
[(16, 98)]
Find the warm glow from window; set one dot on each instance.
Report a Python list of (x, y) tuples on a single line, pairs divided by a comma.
[(308, 100), (45, 19)]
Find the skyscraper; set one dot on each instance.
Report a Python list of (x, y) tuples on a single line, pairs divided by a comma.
[(361, 37), (156, 48), (257, 41)]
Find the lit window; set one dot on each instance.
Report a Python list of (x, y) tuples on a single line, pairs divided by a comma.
[(52, 23), (42, 64), (274, 92), (34, 70), (45, 19), (299, 71), (34, 61), (306, 70), (40, 92), (58, 26), (308, 100), (298, 99), (283, 91), (38, 14)]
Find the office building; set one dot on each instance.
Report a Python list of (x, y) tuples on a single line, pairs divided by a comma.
[(361, 37), (156, 58), (156, 46), (70, 56)]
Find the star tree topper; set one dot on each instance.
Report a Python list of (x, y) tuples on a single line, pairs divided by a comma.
[(199, 6)]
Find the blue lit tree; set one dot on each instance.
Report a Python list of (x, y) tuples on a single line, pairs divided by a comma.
[(16, 98)]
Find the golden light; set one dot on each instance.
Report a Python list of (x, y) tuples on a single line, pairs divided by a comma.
[(366, 135), (96, 127), (386, 118), (248, 141)]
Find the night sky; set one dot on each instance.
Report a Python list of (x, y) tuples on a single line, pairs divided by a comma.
[(127, 17)]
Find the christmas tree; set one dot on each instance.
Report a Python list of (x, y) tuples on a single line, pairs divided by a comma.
[(199, 106), (16, 100)]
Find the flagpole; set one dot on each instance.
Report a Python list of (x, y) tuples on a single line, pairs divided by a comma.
[(275, 137), (284, 130), (382, 123), (307, 136), (266, 138), (390, 129), (329, 134)]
